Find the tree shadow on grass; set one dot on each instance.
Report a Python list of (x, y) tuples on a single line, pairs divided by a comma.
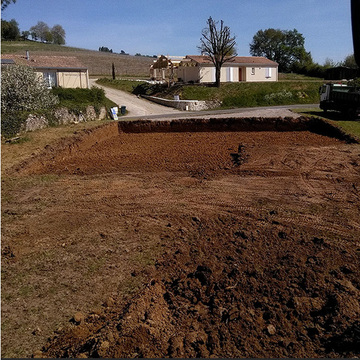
[(329, 115)]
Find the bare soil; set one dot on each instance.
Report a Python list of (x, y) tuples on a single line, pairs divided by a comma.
[(128, 242)]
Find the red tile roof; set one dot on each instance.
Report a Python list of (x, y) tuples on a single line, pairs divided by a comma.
[(244, 60), (41, 61)]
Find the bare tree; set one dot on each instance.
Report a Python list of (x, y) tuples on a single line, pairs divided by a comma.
[(218, 44), (355, 16), (6, 3)]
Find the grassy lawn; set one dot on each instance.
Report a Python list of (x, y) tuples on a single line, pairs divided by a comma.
[(349, 126)]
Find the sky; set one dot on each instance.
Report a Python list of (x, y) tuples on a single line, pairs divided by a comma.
[(173, 27)]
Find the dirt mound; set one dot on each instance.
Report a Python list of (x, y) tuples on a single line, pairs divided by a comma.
[(235, 289)]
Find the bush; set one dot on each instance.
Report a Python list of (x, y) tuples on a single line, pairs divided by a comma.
[(77, 100), (11, 123), (80, 96), (355, 82), (21, 92), (278, 97)]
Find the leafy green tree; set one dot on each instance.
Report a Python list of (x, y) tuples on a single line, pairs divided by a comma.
[(217, 43), (58, 34), (286, 47), (40, 31), (350, 62), (5, 3), (10, 30), (49, 37)]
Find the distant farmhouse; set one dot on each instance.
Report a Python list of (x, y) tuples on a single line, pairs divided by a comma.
[(64, 71)]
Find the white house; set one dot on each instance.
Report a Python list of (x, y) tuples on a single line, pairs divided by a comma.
[(200, 69)]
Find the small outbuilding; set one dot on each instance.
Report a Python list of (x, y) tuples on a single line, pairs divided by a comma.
[(341, 73), (64, 71), (200, 69)]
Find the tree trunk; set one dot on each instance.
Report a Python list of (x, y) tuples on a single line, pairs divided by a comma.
[(217, 75), (355, 15), (113, 71)]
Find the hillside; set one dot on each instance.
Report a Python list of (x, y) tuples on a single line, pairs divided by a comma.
[(98, 63)]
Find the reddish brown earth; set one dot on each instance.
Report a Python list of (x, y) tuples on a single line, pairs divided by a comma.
[(254, 236)]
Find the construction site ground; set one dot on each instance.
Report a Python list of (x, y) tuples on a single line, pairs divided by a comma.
[(183, 244)]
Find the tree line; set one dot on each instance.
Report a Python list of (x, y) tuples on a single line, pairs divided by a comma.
[(39, 32), (287, 48)]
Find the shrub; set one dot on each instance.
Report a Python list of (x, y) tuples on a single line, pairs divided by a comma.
[(80, 96), (355, 82), (77, 100), (21, 92), (278, 97)]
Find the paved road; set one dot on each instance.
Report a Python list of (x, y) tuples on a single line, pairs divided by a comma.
[(139, 108)]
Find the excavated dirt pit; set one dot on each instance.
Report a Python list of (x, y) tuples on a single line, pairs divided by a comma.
[(256, 225)]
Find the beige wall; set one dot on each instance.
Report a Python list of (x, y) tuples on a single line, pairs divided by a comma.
[(206, 74), (267, 74), (73, 79), (70, 79), (188, 73)]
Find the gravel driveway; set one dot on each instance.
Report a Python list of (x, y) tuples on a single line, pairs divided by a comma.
[(134, 105), (144, 109)]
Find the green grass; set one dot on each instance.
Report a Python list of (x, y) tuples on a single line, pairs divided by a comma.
[(257, 94), (350, 127), (81, 98), (297, 77), (11, 47), (124, 85)]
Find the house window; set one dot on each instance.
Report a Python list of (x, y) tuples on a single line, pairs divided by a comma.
[(268, 73), (50, 79), (252, 71)]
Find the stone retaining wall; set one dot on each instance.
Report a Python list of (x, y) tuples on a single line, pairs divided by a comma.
[(185, 105), (63, 116)]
